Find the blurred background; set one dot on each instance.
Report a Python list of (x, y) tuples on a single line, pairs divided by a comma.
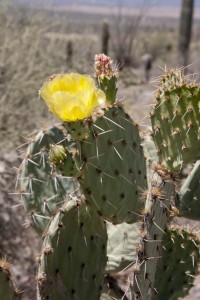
[(41, 38)]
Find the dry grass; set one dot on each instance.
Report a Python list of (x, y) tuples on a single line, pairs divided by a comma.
[(29, 53)]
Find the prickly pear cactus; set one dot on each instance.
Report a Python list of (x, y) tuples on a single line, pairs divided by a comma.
[(176, 120), (43, 190), (83, 185), (73, 257), (7, 288), (178, 264)]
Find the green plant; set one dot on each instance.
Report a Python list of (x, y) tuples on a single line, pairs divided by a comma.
[(115, 196)]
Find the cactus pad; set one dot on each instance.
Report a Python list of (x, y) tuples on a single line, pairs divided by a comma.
[(176, 120), (114, 166), (179, 263), (42, 188), (74, 255)]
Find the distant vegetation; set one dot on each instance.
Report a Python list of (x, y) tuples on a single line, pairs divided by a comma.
[(35, 44)]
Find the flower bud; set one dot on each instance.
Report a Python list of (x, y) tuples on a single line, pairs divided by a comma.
[(106, 76), (57, 154)]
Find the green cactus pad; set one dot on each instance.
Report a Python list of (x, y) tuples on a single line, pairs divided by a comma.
[(190, 195), (42, 188), (179, 264), (176, 120), (7, 289), (114, 167), (155, 218), (73, 258), (121, 248)]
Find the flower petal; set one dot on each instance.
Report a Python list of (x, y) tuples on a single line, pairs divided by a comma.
[(72, 97)]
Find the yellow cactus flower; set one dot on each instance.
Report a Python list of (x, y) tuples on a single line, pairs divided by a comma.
[(72, 97)]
